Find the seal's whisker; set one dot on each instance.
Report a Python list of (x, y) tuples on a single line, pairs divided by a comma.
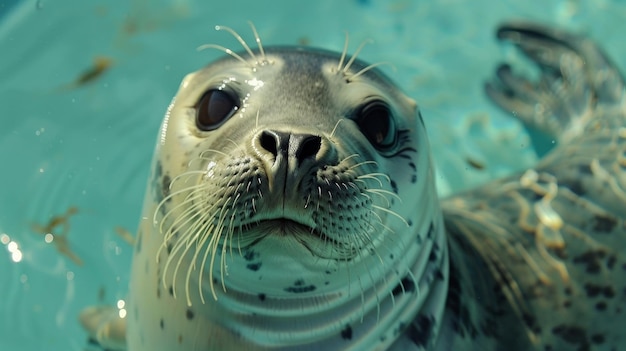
[(344, 53), (360, 164), (200, 228), (162, 203), (216, 240), (181, 244), (163, 220), (207, 249), (237, 146), (240, 40), (350, 157), (189, 268), (204, 229), (227, 51), (393, 213), (375, 176), (185, 217), (229, 231), (213, 151), (186, 175), (171, 232), (257, 38), (355, 55), (382, 194), (362, 71), (332, 133)]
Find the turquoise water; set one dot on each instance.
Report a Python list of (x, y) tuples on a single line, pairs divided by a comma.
[(65, 145)]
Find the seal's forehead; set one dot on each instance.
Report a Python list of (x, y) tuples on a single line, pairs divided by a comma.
[(306, 61)]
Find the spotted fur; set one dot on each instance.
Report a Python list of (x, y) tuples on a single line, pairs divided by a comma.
[(293, 224)]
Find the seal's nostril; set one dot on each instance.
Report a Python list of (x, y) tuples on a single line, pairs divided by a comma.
[(309, 147), (296, 146), (269, 142)]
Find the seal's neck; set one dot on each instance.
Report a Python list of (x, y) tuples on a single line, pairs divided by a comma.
[(405, 300)]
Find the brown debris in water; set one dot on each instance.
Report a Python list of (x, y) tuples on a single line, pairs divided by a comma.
[(59, 227), (126, 235), (101, 64)]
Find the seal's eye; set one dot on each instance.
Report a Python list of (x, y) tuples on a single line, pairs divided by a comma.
[(214, 108), (377, 124)]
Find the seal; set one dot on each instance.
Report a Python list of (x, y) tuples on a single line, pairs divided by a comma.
[(292, 205)]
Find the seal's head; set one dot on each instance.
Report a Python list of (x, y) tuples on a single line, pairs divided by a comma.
[(298, 183)]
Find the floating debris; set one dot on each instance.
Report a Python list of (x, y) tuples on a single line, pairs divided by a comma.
[(126, 235), (56, 232), (475, 164), (100, 65)]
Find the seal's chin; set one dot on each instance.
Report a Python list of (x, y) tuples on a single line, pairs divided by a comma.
[(312, 239), (287, 227)]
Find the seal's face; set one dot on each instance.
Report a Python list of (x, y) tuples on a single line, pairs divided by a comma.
[(291, 176)]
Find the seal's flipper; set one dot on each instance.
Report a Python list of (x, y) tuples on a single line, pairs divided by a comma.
[(579, 99), (105, 327), (552, 237), (576, 79)]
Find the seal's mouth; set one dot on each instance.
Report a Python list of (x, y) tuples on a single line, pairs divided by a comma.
[(283, 226)]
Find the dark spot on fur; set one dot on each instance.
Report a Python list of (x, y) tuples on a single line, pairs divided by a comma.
[(394, 186), (431, 230), (346, 333), (250, 255), (601, 306), (165, 185), (594, 290), (461, 321), (180, 338), (162, 324), (573, 335), (254, 266), (261, 297), (300, 287), (610, 262), (591, 259), (139, 241), (439, 274), (597, 338), (158, 169), (400, 329), (604, 224), (419, 332), (406, 285), (189, 314), (171, 290), (531, 322)]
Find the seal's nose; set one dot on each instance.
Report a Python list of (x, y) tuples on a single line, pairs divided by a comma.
[(290, 145)]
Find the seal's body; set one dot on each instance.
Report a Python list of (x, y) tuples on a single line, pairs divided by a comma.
[(292, 205)]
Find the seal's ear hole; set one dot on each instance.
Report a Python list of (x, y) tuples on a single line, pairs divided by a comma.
[(214, 108), (377, 124)]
